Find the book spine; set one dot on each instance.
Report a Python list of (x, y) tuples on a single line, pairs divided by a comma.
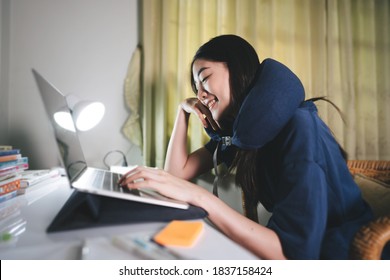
[(9, 187), (22, 166), (8, 163), (5, 178), (5, 147), (13, 169), (9, 152), (8, 196), (10, 157), (19, 161), (9, 170), (9, 179)]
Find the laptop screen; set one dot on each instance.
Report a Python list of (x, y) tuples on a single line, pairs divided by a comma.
[(68, 143)]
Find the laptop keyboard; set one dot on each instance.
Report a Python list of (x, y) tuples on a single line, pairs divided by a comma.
[(102, 178), (105, 183), (107, 180)]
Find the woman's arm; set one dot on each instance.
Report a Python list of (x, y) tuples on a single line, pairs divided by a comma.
[(178, 161), (260, 240)]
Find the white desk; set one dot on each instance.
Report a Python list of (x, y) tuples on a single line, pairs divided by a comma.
[(34, 211)]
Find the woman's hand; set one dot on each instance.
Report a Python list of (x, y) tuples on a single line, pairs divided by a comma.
[(163, 182), (193, 105), (260, 240)]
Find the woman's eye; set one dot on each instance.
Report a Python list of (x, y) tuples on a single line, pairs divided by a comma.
[(204, 80)]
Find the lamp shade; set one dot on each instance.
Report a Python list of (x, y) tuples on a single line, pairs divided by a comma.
[(64, 119), (88, 114), (84, 115)]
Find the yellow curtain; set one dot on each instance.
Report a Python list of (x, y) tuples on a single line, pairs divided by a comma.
[(339, 49)]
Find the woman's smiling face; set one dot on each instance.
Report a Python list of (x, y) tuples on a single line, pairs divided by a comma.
[(213, 87)]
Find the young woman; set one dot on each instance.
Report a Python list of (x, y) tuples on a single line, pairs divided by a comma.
[(283, 156)]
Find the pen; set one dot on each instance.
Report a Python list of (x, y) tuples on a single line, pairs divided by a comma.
[(145, 248), (84, 251), (173, 253)]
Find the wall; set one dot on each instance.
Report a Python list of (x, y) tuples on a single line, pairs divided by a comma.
[(4, 58), (83, 47)]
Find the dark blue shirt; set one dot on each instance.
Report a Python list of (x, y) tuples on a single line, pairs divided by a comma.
[(316, 205)]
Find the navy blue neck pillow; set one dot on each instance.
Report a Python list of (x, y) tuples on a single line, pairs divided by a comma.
[(275, 96)]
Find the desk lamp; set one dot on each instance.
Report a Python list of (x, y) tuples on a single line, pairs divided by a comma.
[(86, 114)]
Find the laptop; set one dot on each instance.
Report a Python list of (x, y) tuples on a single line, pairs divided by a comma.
[(81, 176)]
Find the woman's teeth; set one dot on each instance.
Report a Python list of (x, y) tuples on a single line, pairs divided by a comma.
[(211, 104)]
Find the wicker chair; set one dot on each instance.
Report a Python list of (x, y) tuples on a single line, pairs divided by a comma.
[(377, 169), (370, 239)]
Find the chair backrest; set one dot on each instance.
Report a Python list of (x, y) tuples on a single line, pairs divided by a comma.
[(377, 169)]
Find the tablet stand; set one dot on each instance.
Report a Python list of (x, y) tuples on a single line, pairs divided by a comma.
[(83, 210)]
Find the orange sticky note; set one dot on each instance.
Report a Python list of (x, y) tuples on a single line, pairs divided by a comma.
[(179, 233)]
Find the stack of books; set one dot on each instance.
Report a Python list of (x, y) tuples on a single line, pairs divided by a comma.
[(15, 176), (12, 164), (32, 180)]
